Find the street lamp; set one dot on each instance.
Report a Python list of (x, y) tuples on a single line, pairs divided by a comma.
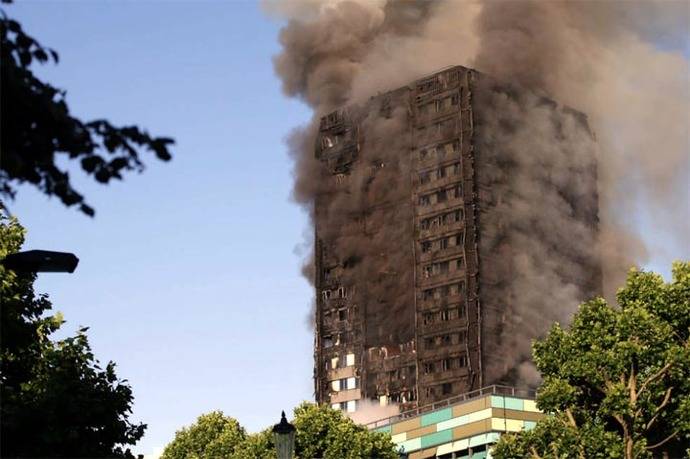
[(284, 438), (41, 261)]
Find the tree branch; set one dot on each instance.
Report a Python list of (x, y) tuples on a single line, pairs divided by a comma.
[(655, 376), (667, 397), (664, 440)]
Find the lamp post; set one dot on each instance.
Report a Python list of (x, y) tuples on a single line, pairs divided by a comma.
[(41, 261), (284, 438)]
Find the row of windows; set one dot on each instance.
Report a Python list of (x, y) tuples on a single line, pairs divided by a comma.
[(440, 389), (350, 406), (439, 151), (439, 105), (397, 374), (444, 315), (336, 339), (443, 291), (440, 173), (437, 129), (442, 267), (337, 362), (446, 364), (340, 292), (439, 220), (344, 384), (437, 245), (335, 315), (398, 397), (443, 195), (446, 339)]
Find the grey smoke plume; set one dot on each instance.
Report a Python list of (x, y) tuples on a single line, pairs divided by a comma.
[(617, 62)]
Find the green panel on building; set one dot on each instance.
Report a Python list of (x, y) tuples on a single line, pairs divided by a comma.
[(384, 429), (514, 404), (437, 416), (437, 438), (497, 401)]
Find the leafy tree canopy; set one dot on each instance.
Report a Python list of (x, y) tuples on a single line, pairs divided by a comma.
[(37, 126), (57, 401), (617, 382), (322, 432)]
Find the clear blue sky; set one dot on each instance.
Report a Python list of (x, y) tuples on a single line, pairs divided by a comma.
[(189, 278)]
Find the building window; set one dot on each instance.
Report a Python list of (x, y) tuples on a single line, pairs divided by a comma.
[(426, 246), (352, 406), (430, 392), (428, 368), (462, 361), (459, 264), (334, 363), (350, 360), (342, 292), (445, 315), (459, 239), (424, 200), (342, 314), (441, 196), (457, 215), (327, 341), (428, 318), (445, 364), (446, 388)]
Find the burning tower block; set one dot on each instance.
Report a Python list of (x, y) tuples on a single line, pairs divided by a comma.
[(456, 220)]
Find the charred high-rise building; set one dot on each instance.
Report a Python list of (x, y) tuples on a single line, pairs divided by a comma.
[(456, 219)]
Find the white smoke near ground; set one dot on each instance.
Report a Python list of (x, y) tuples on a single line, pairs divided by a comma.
[(618, 62), (370, 410)]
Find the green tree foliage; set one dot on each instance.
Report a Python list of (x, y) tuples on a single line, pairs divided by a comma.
[(322, 432), (56, 399), (327, 433), (617, 382), (37, 127), (213, 435)]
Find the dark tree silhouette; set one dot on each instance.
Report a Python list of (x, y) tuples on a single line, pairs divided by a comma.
[(57, 401), (37, 126)]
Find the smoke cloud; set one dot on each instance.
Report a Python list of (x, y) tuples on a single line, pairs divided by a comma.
[(620, 63)]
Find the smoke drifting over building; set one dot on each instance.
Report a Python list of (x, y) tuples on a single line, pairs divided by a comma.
[(539, 252)]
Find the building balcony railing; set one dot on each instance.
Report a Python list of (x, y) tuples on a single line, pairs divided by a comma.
[(489, 390)]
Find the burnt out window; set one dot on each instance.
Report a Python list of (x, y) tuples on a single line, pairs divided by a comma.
[(456, 169), (459, 239), (446, 388), (426, 246), (461, 311), (459, 264), (428, 294), (441, 173), (462, 361), (428, 318), (442, 196), (445, 364), (443, 243), (457, 215), (327, 341), (428, 368), (430, 392), (424, 177), (342, 314), (424, 224), (445, 315), (457, 192), (424, 200)]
